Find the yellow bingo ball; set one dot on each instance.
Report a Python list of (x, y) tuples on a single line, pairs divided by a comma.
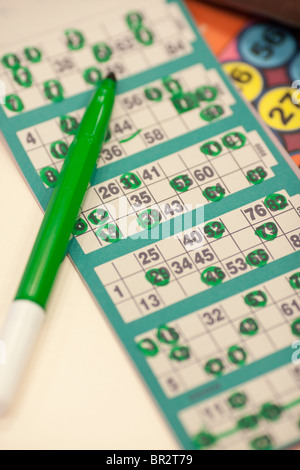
[(246, 77), (278, 110)]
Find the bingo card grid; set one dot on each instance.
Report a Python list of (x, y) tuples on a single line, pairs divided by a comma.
[(124, 205), (238, 419), (151, 124), (125, 278), (259, 321), (29, 68)]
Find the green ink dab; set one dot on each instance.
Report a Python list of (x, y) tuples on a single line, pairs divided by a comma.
[(214, 367), (271, 412), (59, 149), (167, 334), (206, 93), (172, 85), (134, 20), (257, 175), (267, 231), (181, 183), (237, 355), (248, 422), (53, 90), (102, 52), (75, 39), (210, 113), (11, 61), (92, 76), (295, 327), (262, 443), (180, 353), (108, 136), (203, 440), (132, 136), (130, 180), (33, 54), (275, 202), (234, 140), (214, 229), (141, 33), (158, 276), (257, 298), (294, 281), (49, 176), (22, 76), (184, 102), (80, 226), (214, 193), (69, 124), (249, 327), (144, 36), (109, 233), (237, 400), (257, 258), (153, 94), (212, 276), (14, 103), (98, 216), (149, 218), (148, 347), (211, 148)]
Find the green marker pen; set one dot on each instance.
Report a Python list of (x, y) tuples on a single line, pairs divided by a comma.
[(27, 312)]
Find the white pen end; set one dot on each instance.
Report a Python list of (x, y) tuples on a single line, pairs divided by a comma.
[(17, 339)]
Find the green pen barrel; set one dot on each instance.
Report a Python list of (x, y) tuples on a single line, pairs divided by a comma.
[(64, 205)]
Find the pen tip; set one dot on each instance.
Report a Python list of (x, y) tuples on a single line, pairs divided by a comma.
[(112, 76)]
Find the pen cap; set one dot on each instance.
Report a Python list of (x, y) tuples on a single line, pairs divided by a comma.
[(96, 113)]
